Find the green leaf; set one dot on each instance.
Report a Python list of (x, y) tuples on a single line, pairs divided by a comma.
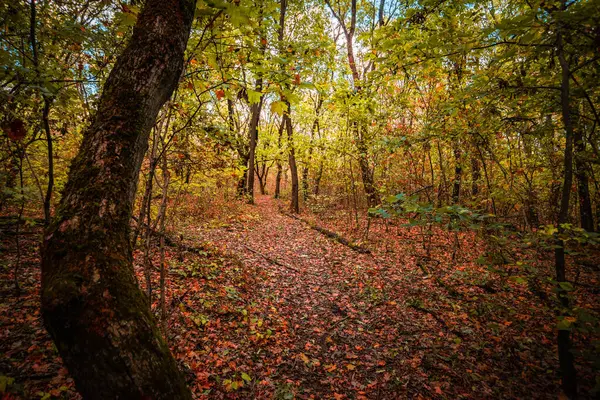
[(246, 377), (307, 85), (563, 325), (278, 107), (518, 279), (5, 381), (390, 199), (253, 96), (566, 286)]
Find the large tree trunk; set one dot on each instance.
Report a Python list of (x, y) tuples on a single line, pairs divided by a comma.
[(91, 303)]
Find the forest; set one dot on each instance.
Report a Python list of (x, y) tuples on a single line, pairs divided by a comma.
[(299, 199)]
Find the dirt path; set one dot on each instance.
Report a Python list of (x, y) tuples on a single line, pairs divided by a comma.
[(350, 332)]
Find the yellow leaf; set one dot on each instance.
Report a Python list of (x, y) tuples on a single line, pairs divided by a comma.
[(330, 367)]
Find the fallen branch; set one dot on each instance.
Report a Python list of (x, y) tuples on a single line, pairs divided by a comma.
[(332, 235), (453, 292), (439, 319), (272, 261), (172, 242), (198, 250)]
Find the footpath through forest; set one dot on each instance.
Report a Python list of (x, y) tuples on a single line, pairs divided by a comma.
[(262, 306), (326, 321)]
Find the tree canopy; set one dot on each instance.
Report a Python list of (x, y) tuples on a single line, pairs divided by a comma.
[(426, 125)]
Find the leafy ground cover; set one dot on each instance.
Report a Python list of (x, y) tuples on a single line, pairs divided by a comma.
[(263, 306)]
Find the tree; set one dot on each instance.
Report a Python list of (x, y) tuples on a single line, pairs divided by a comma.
[(91, 304), (349, 29), (287, 120)]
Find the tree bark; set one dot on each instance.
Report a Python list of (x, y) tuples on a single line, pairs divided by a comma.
[(313, 131), (366, 172), (241, 149), (442, 189), (45, 112), (253, 133), (50, 186), (457, 173), (162, 217), (279, 166), (317, 186), (91, 304), (583, 189), (262, 172), (475, 176), (287, 121), (254, 121), (565, 355), (294, 202)]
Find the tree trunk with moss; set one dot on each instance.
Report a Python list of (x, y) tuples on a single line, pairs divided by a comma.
[(91, 303)]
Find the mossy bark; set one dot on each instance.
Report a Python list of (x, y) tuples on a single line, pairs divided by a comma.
[(91, 304)]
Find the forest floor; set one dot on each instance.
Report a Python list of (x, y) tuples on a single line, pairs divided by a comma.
[(263, 306)]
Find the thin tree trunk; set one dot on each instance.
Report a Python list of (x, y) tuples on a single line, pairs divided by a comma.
[(279, 164), (367, 173), (50, 187), (147, 197), (431, 171), (242, 186), (262, 173), (17, 265), (475, 176), (253, 132), (313, 131), (487, 180), (45, 112), (444, 181), (255, 119), (585, 201), (294, 202), (241, 189), (565, 355), (287, 120), (318, 179), (91, 304), (457, 174), (162, 216), (305, 181)]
